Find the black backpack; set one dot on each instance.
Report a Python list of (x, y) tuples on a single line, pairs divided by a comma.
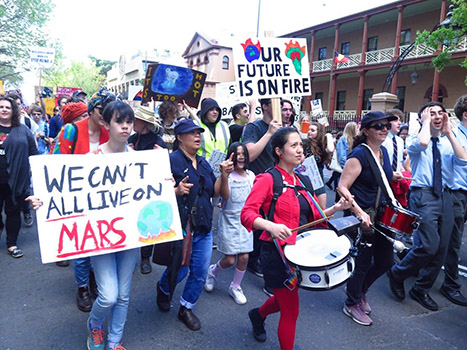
[(278, 188)]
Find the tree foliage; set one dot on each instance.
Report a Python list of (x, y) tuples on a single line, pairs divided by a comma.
[(22, 24), (103, 65), (447, 36), (84, 75)]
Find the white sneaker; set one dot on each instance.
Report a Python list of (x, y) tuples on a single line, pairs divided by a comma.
[(237, 294), (210, 280)]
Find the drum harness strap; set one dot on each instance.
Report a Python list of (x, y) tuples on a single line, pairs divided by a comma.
[(278, 187)]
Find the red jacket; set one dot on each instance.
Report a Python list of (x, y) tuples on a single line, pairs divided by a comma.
[(287, 210), (67, 134)]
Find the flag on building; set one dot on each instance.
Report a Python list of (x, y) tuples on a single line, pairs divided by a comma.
[(340, 58)]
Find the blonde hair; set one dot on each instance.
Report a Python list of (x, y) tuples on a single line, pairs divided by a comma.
[(350, 132)]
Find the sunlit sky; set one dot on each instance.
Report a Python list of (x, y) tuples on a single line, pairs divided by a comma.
[(106, 29)]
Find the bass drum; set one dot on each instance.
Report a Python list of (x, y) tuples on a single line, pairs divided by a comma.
[(321, 258)]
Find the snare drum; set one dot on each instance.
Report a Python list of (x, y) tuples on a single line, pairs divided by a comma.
[(322, 258), (397, 220)]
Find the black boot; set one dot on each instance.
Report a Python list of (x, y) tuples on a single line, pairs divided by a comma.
[(257, 323), (83, 299), (145, 266)]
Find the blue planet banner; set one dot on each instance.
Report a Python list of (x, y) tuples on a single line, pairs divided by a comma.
[(165, 82)]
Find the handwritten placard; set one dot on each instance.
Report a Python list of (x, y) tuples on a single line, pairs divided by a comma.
[(165, 82), (272, 67), (97, 204), (310, 168)]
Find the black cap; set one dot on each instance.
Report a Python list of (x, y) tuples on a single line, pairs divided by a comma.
[(375, 116), (185, 126)]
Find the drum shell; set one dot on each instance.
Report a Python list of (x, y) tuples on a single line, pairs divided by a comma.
[(395, 220), (322, 276)]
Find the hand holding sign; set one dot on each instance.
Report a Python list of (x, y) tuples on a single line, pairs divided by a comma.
[(274, 125), (183, 187)]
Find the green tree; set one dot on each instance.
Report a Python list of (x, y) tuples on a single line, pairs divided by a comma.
[(22, 24), (103, 65), (447, 35), (84, 75)]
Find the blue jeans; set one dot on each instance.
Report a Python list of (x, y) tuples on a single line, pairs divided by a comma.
[(82, 266), (201, 252), (113, 276)]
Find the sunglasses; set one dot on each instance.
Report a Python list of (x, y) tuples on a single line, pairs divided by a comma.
[(380, 126)]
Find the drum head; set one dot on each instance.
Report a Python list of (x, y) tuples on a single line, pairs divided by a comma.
[(317, 248)]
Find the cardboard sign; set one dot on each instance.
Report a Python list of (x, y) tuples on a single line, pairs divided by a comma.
[(164, 82), (272, 67), (47, 94), (310, 168), (42, 57), (99, 204), (316, 107), (216, 158)]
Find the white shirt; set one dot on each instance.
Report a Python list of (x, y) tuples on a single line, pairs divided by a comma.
[(400, 150)]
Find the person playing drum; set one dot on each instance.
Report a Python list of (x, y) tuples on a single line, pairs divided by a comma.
[(294, 207), (357, 179)]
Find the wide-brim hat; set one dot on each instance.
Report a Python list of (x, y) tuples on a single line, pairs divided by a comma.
[(146, 114), (185, 126), (374, 116)]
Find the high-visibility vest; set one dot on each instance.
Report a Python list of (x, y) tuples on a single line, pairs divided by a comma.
[(209, 143)]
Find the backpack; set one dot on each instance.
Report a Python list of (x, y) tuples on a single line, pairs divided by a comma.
[(278, 188)]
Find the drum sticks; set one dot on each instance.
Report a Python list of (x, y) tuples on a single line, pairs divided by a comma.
[(316, 222)]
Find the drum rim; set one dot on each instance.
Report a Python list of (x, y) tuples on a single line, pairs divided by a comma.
[(392, 230), (322, 289)]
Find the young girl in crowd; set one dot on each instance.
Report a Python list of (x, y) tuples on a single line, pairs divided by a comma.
[(234, 240), (321, 146), (113, 271)]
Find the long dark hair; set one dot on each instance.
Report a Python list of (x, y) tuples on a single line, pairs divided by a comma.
[(16, 113), (279, 139), (233, 148), (317, 146)]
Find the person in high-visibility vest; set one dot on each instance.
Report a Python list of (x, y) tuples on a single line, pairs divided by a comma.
[(217, 135)]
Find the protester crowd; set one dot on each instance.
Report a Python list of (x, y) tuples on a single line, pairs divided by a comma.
[(426, 171)]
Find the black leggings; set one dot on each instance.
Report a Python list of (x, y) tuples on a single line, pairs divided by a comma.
[(12, 213)]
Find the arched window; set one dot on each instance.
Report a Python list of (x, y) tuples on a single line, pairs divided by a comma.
[(206, 59), (442, 93), (225, 62)]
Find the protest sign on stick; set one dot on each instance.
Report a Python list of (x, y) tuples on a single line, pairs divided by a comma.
[(272, 67), (99, 204), (164, 82)]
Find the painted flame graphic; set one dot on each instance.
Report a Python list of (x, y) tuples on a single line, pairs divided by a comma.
[(252, 52), (295, 53)]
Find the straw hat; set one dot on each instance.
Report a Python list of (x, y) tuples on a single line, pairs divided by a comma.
[(146, 114)]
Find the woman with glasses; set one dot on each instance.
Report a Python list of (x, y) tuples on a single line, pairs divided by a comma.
[(16, 145), (357, 179), (195, 187)]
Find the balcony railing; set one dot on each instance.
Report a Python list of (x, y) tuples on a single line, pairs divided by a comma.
[(379, 56), (384, 55), (322, 66), (354, 61)]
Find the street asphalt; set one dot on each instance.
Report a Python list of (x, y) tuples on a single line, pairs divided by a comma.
[(38, 304)]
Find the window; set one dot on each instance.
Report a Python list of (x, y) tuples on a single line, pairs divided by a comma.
[(401, 96), (225, 62), (405, 37), (206, 59), (345, 48), (319, 96), (340, 104), (372, 44), (322, 54), (367, 93)]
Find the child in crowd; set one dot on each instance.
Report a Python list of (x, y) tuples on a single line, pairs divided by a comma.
[(234, 240), (113, 271)]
